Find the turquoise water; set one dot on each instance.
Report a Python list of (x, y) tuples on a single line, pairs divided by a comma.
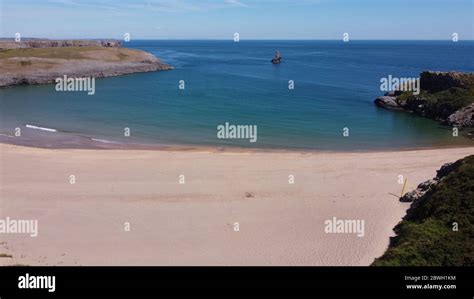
[(335, 85)]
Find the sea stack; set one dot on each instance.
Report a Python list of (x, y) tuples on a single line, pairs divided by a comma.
[(277, 58)]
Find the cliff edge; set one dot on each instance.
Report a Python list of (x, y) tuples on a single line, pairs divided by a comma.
[(42, 61)]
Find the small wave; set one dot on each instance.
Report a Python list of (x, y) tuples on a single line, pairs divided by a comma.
[(6, 135), (104, 141), (40, 128)]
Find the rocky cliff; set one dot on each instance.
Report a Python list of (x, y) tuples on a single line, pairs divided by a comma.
[(445, 96)]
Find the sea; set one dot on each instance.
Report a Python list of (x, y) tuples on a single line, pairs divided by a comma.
[(321, 97)]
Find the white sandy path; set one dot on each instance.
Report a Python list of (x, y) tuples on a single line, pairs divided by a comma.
[(192, 224)]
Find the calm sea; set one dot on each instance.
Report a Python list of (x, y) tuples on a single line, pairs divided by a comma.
[(335, 84)]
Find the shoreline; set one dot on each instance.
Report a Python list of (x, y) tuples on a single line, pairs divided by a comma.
[(97, 144), (192, 223)]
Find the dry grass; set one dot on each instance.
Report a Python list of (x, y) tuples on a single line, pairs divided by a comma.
[(108, 54)]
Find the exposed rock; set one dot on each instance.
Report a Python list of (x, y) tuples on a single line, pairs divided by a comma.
[(411, 196), (277, 58), (428, 186), (389, 102), (464, 117), (445, 96), (97, 62), (445, 170), (421, 190)]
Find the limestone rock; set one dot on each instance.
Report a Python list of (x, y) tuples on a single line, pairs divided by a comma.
[(463, 117), (389, 102)]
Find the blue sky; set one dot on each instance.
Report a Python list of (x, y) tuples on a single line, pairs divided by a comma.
[(252, 19)]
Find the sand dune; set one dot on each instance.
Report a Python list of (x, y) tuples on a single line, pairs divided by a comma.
[(193, 223)]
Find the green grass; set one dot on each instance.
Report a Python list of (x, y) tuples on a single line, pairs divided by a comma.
[(439, 104), (425, 237)]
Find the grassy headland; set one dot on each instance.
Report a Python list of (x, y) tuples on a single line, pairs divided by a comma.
[(43, 62), (447, 97), (438, 229)]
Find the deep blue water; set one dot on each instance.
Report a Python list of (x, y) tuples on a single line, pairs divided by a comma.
[(335, 85)]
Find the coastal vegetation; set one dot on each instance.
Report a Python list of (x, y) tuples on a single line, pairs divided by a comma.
[(438, 229), (447, 97)]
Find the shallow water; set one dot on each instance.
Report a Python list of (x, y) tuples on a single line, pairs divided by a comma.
[(335, 85)]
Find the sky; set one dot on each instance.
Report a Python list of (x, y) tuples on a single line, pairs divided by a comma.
[(252, 19)]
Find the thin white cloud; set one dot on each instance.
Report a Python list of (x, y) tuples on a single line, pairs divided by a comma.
[(236, 3)]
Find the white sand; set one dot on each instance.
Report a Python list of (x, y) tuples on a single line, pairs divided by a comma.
[(192, 223)]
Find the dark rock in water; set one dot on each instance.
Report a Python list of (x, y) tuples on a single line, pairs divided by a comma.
[(277, 58)]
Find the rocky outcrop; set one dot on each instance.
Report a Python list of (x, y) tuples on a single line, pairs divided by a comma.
[(421, 190), (45, 65), (438, 228), (445, 96), (427, 186), (389, 102), (462, 117), (94, 70), (277, 58)]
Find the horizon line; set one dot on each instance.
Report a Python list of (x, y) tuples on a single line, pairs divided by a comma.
[(229, 39)]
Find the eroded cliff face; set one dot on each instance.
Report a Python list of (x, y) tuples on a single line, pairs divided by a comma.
[(445, 96)]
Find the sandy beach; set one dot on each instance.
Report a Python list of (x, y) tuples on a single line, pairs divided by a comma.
[(128, 207)]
